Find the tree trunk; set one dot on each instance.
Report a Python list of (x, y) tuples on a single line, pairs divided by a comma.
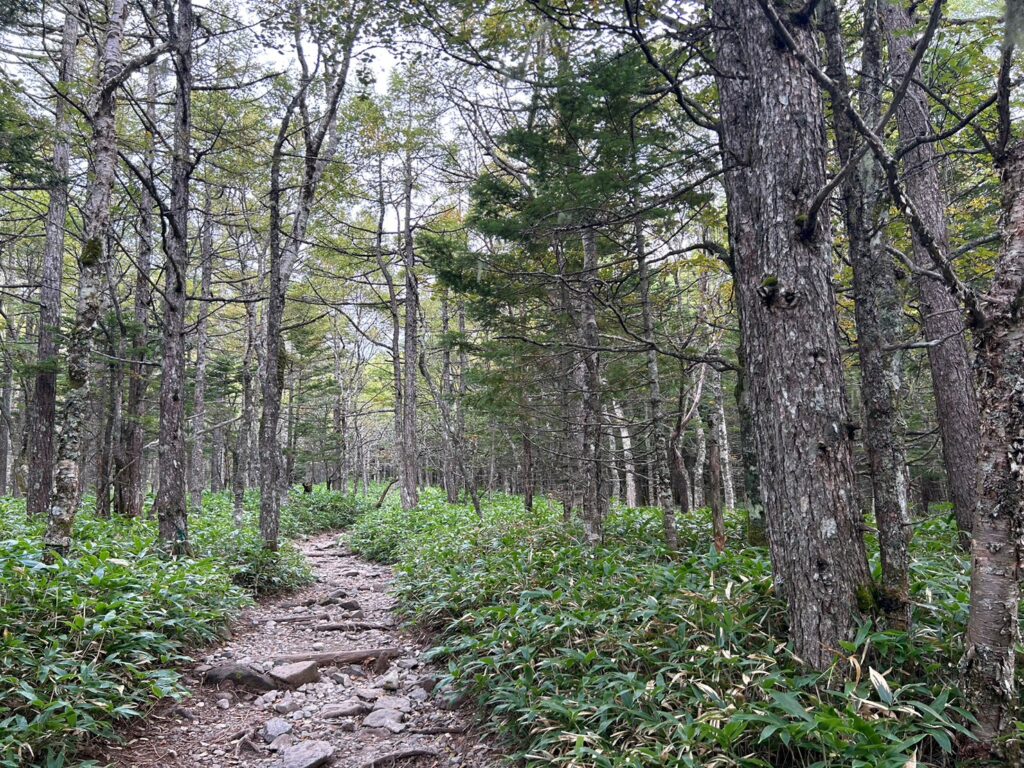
[(757, 534), (96, 218), (128, 458), (6, 420), (170, 505), (197, 464), (631, 499), (993, 630), (728, 487), (661, 458), (242, 454), (956, 403), (715, 490), (774, 145), (594, 497), (410, 447), (42, 415), (878, 312)]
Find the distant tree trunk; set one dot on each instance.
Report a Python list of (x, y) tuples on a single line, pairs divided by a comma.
[(715, 490), (410, 447), (993, 629), (594, 496), (728, 487), (96, 222), (527, 472), (170, 505), (217, 460), (448, 475), (320, 143), (111, 422), (700, 458), (242, 454), (6, 404), (197, 464), (956, 403), (129, 492), (43, 411), (878, 310), (661, 457), (631, 498), (774, 146)]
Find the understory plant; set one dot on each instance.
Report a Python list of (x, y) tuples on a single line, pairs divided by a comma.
[(627, 655), (93, 639)]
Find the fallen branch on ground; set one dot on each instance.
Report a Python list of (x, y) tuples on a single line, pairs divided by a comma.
[(391, 757), (339, 657)]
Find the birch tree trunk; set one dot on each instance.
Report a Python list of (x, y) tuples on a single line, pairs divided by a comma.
[(774, 145), (728, 488), (42, 414), (993, 628), (92, 271)]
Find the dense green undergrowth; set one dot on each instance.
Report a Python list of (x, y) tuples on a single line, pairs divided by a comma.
[(624, 656), (90, 640)]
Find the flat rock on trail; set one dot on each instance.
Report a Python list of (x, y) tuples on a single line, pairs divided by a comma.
[(285, 692)]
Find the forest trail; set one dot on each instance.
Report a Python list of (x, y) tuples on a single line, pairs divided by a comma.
[(327, 722)]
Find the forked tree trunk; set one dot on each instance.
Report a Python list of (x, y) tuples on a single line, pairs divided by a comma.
[(41, 417), (774, 146)]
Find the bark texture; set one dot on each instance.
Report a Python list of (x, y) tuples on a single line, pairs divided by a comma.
[(774, 147), (92, 272), (993, 628), (878, 310), (43, 412), (170, 505), (956, 403)]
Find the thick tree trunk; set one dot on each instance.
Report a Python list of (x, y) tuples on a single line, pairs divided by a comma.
[(993, 629), (170, 505), (956, 404), (757, 533), (878, 312), (197, 464), (96, 217), (774, 146), (43, 412)]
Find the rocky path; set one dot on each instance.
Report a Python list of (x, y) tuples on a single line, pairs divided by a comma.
[(318, 678)]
